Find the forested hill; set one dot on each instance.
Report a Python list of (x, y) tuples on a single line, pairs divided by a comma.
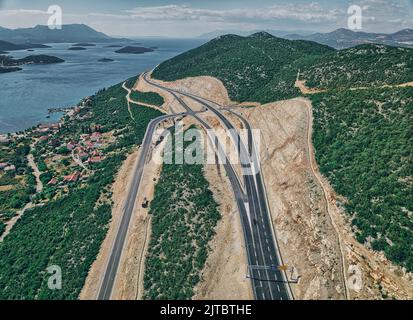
[(263, 68), (244, 64), (367, 65), (362, 137)]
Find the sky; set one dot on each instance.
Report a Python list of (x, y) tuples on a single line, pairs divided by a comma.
[(192, 18)]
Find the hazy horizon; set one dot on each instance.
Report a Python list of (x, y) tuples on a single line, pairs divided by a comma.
[(184, 19)]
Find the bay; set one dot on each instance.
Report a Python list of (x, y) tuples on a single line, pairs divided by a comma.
[(26, 96)]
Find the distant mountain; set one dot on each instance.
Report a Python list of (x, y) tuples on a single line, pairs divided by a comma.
[(344, 38), (8, 46), (277, 33), (42, 34)]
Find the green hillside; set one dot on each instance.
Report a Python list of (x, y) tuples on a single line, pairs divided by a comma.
[(68, 231), (362, 138), (263, 68), (245, 64), (361, 66), (363, 141)]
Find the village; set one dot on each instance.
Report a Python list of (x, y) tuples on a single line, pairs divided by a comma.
[(47, 161), (66, 157)]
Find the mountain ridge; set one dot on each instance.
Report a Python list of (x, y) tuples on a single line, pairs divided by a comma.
[(344, 38), (340, 38), (70, 33), (264, 68)]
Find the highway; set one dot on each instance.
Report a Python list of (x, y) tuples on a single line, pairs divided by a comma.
[(264, 258), (112, 266)]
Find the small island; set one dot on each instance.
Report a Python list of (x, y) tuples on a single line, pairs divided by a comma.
[(9, 69), (134, 50), (84, 44), (114, 46), (105, 60), (76, 48), (9, 64), (39, 59)]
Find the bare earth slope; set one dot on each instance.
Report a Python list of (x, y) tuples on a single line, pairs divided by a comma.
[(315, 238), (305, 233), (312, 233)]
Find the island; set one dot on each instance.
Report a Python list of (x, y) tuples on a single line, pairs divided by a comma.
[(114, 46), (9, 69), (134, 50), (76, 48), (84, 44), (105, 60), (39, 59), (9, 64), (8, 46)]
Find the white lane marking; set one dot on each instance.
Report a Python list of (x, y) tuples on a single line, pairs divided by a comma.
[(247, 209)]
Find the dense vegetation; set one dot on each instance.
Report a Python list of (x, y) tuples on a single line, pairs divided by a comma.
[(18, 185), (363, 141), (361, 66), (264, 68), (68, 231), (147, 97), (248, 66), (2, 227), (184, 215), (363, 138)]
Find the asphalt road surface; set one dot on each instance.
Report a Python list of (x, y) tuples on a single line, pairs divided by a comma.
[(116, 252), (268, 282)]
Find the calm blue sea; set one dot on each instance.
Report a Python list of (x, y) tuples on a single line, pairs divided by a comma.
[(25, 96)]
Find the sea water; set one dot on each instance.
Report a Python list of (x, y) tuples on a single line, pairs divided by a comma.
[(26, 96)]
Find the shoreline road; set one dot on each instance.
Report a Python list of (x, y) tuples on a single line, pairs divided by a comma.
[(112, 266), (264, 258)]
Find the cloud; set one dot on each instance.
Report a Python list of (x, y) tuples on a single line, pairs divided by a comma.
[(188, 20), (309, 12), (390, 14), (16, 12)]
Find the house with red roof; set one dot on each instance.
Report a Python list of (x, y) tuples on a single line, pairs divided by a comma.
[(52, 182), (96, 159), (3, 165), (74, 177)]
